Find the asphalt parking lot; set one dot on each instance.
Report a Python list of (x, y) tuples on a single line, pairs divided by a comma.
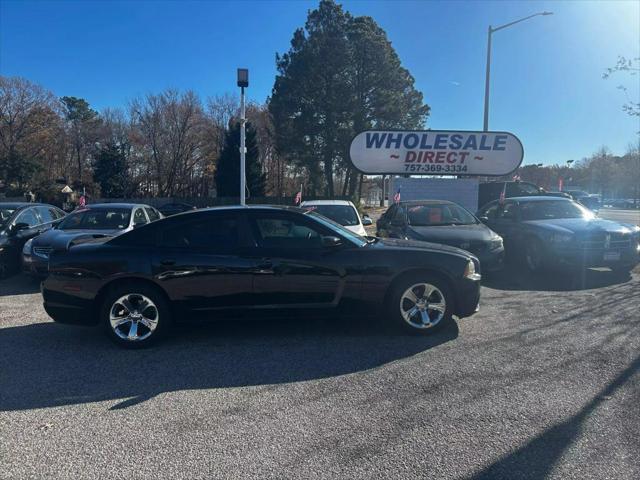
[(542, 383)]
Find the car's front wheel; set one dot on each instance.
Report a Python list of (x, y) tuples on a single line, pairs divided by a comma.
[(135, 315), (421, 304)]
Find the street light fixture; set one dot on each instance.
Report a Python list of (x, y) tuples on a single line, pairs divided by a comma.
[(488, 74), (243, 81)]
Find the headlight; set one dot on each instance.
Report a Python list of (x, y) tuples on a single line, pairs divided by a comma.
[(561, 237), (470, 271), (26, 250), (495, 243)]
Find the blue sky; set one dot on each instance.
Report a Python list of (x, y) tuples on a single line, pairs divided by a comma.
[(546, 72)]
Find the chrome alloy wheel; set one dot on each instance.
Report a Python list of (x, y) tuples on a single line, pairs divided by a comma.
[(423, 305), (133, 317)]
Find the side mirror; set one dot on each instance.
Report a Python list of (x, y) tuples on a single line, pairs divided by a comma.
[(366, 221), (19, 226), (330, 241)]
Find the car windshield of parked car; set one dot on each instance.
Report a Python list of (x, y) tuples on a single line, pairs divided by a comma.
[(5, 215), (337, 228), (439, 214), (99, 219), (343, 214), (551, 210)]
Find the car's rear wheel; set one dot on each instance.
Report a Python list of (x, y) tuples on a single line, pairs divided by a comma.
[(421, 304), (135, 315), (534, 255)]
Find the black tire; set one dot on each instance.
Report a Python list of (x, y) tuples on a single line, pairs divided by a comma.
[(415, 325), (137, 295), (534, 255)]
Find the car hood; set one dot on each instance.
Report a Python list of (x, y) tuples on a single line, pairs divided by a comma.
[(453, 234), (580, 225), (396, 243), (61, 238)]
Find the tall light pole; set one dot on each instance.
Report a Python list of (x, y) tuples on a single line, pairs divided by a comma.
[(488, 74), (243, 81)]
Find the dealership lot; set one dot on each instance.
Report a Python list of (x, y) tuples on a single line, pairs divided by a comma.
[(543, 381)]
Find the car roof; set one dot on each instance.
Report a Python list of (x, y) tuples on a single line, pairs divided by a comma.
[(538, 198), (428, 202), (91, 206), (327, 202)]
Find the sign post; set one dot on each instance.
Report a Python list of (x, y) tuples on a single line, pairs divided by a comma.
[(436, 152)]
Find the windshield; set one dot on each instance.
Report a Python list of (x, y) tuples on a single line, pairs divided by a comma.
[(439, 214), (339, 229), (5, 214), (551, 210), (343, 214), (102, 219)]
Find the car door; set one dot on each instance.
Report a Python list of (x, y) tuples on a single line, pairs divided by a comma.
[(199, 261), (293, 268), (504, 220)]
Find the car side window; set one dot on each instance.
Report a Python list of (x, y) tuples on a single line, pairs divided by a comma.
[(139, 218), (56, 213), (29, 217), (388, 215), (152, 214), (215, 233), (286, 232), (46, 214)]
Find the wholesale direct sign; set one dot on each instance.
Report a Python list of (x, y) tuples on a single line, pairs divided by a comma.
[(436, 152)]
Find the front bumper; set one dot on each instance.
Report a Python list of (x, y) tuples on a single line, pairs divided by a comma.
[(593, 258), (64, 308), (34, 266), (467, 297), (492, 261)]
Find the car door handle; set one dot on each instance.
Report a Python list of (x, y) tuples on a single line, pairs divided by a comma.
[(167, 263)]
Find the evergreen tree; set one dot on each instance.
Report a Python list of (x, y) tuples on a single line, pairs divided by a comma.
[(340, 76), (228, 169), (110, 171)]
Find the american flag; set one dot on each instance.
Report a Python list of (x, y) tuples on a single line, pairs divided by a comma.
[(560, 184), (83, 201), (298, 198), (396, 197), (503, 193)]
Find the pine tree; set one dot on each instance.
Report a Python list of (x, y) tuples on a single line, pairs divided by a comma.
[(110, 171), (228, 169)]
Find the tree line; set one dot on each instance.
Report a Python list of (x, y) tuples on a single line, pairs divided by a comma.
[(341, 75)]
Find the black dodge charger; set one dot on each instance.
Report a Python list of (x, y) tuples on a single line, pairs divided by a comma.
[(267, 259)]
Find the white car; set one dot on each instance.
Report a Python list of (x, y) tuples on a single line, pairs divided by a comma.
[(340, 211)]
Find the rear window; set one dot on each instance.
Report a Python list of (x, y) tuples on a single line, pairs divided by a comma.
[(345, 215)]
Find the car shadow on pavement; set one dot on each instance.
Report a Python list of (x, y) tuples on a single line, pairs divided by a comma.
[(48, 365), (514, 277), (537, 458), (19, 284)]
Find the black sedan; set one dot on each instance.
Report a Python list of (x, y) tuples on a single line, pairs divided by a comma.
[(439, 221), (548, 232), (20, 222), (254, 259), (93, 221)]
